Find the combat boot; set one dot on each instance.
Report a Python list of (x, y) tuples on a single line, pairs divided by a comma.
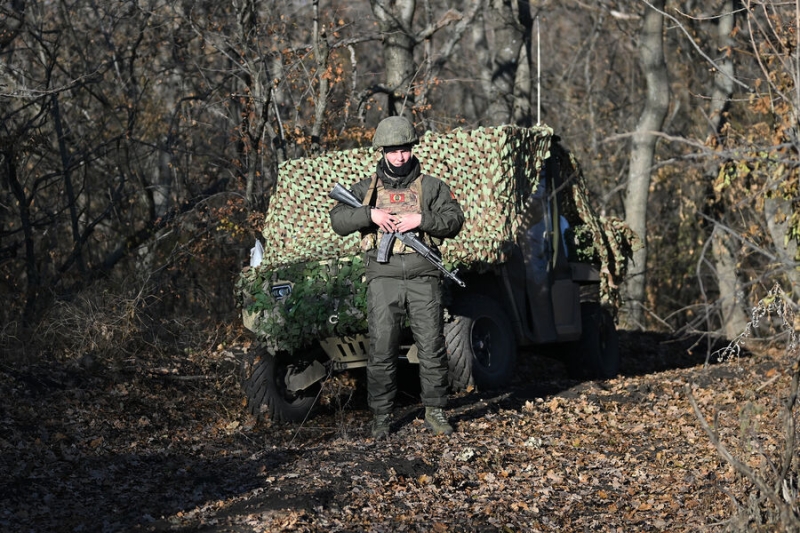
[(436, 421), (381, 425)]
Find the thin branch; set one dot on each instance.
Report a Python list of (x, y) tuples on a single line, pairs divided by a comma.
[(723, 451), (738, 237)]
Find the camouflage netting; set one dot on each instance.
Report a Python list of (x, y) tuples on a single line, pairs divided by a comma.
[(492, 171), (604, 241)]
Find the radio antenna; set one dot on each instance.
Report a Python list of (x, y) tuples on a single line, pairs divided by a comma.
[(538, 74)]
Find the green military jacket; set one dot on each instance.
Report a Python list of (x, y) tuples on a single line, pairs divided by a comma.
[(442, 218)]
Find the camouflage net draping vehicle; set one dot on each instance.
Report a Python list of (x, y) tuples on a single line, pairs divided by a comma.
[(540, 266)]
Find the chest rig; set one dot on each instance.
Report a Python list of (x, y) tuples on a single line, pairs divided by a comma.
[(398, 202)]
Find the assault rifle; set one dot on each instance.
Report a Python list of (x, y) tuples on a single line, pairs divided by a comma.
[(409, 239)]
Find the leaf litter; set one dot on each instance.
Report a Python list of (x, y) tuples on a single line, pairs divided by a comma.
[(150, 446)]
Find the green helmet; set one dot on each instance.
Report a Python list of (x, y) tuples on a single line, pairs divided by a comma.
[(394, 131)]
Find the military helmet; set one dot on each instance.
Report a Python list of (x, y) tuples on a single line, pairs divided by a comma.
[(394, 131)]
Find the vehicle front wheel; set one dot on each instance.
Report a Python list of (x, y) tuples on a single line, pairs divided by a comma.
[(481, 348), (263, 378), (596, 355)]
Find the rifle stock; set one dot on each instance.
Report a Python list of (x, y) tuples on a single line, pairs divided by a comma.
[(343, 195)]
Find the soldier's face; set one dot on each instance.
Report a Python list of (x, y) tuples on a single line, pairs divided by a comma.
[(398, 157)]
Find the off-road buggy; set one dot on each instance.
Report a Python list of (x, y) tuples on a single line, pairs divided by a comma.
[(541, 268)]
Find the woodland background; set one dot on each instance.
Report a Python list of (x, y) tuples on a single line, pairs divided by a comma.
[(139, 142)]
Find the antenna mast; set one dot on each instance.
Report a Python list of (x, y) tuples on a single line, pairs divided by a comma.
[(538, 74)]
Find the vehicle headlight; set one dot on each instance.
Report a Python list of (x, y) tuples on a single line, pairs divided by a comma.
[(281, 291)]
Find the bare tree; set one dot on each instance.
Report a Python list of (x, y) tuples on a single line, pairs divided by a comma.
[(781, 206), (642, 153), (96, 160), (501, 39), (395, 19), (757, 223), (436, 59), (723, 244), (118, 116)]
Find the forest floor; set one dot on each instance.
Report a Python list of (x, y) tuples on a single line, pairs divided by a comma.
[(164, 443)]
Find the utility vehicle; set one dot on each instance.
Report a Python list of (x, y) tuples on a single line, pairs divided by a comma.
[(540, 268)]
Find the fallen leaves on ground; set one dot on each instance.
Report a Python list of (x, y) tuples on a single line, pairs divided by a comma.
[(166, 445)]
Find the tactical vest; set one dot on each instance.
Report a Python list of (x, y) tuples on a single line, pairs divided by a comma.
[(398, 202)]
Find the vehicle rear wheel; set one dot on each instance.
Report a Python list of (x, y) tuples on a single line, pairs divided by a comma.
[(481, 347), (263, 378), (596, 355)]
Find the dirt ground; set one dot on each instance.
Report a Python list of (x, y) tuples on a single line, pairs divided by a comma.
[(164, 443)]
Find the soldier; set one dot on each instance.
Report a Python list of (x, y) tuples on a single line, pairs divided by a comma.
[(399, 198)]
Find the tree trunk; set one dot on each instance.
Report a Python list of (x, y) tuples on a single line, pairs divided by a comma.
[(394, 19), (651, 48), (23, 202), (254, 127), (69, 190), (778, 212), (733, 318), (780, 207), (523, 114), (498, 40), (321, 55)]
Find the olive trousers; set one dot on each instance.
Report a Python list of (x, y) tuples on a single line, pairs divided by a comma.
[(389, 302)]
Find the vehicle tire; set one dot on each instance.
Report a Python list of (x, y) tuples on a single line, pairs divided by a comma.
[(263, 378), (596, 355), (481, 348)]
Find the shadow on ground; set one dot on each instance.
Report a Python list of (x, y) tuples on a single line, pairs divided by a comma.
[(76, 456)]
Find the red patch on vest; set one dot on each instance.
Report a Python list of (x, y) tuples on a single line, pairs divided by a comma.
[(397, 198)]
